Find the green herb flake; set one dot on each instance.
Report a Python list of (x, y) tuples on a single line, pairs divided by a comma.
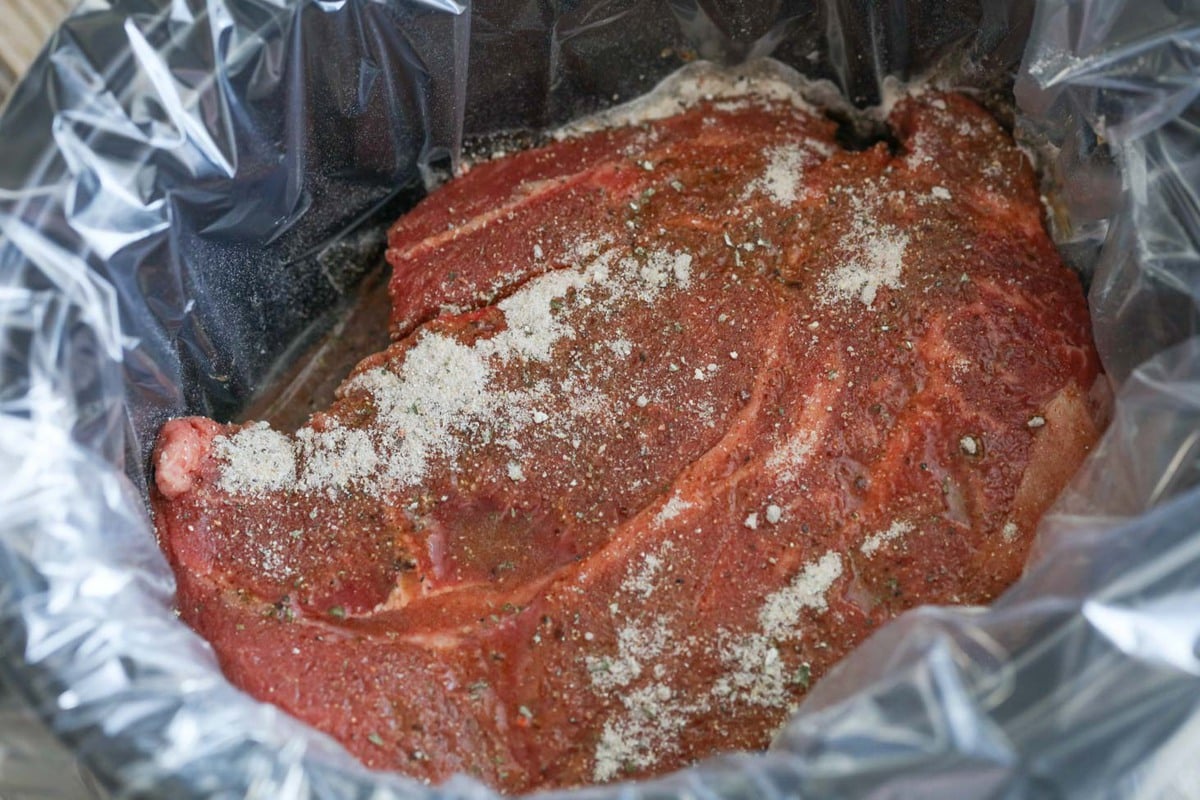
[(804, 675), (337, 612), (375, 739)]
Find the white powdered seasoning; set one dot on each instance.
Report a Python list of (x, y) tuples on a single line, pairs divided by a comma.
[(647, 726), (780, 615), (873, 257), (637, 643), (782, 178), (643, 580), (441, 389), (756, 672), (673, 508), (792, 455), (256, 460), (621, 347), (660, 269), (443, 397), (877, 540), (879, 264), (641, 736), (335, 457)]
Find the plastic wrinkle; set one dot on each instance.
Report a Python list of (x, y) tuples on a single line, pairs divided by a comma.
[(1150, 632), (187, 187)]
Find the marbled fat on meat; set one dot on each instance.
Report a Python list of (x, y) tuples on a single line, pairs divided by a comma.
[(675, 415)]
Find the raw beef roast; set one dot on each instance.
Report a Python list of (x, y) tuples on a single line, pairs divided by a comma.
[(676, 414)]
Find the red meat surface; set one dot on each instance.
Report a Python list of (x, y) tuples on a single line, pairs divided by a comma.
[(675, 415)]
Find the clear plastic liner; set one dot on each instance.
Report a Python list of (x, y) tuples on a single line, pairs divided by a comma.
[(187, 187)]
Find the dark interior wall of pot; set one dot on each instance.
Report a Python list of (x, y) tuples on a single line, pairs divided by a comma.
[(541, 64)]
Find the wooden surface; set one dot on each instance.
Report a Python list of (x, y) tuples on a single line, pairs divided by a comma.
[(24, 28)]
